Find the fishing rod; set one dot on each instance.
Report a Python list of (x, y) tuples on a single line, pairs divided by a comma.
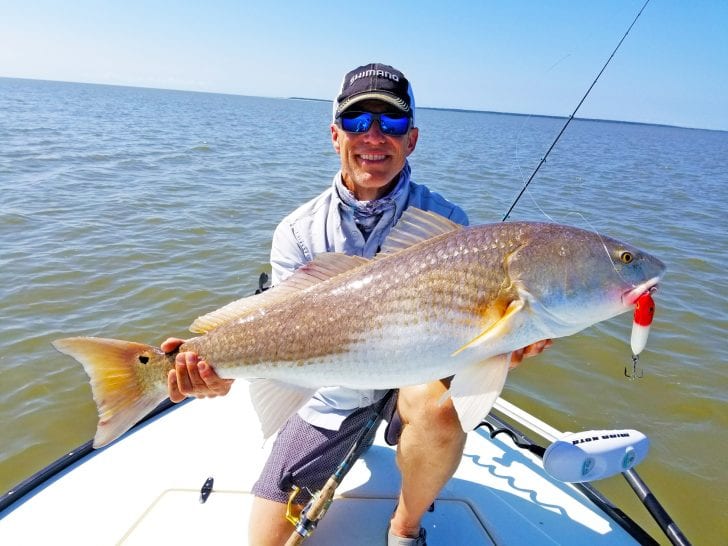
[(315, 509), (571, 117)]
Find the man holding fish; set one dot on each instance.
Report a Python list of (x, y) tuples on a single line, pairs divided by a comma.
[(373, 132)]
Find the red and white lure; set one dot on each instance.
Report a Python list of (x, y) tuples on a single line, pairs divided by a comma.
[(644, 312)]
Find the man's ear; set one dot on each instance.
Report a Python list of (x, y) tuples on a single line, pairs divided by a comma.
[(335, 138), (412, 143)]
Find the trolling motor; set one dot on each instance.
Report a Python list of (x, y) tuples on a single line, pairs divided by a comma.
[(587, 456), (594, 454), (598, 454)]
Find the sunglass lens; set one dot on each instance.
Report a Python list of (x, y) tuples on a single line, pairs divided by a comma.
[(356, 122), (393, 124)]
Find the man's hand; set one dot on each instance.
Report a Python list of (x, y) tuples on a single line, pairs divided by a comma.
[(192, 376), (531, 350)]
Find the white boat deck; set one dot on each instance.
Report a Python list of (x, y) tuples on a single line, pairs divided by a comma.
[(145, 489)]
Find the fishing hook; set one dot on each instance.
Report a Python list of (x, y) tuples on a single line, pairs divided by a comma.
[(634, 374)]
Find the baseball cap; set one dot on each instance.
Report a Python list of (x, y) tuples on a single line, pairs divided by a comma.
[(376, 81)]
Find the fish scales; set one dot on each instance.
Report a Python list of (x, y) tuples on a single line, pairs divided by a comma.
[(446, 289)]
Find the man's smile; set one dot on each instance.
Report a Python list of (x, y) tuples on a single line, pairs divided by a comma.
[(373, 157)]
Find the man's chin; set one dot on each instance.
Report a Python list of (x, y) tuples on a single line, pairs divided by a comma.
[(370, 187)]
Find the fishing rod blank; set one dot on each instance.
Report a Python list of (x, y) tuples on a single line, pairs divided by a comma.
[(543, 159)]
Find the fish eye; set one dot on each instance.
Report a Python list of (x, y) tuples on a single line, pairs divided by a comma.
[(626, 257)]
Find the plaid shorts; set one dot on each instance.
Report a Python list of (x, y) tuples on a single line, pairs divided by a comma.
[(306, 456)]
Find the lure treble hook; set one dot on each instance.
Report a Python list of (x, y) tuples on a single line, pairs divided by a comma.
[(634, 374)]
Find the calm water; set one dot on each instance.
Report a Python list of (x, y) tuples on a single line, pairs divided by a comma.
[(128, 212)]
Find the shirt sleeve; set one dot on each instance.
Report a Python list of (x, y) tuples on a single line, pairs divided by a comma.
[(286, 254), (459, 216)]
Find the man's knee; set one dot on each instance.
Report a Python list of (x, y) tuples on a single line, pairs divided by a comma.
[(428, 406), (268, 524)]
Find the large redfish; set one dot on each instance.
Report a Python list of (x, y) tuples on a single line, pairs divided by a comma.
[(440, 300)]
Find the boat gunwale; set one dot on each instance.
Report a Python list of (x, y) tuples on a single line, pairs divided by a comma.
[(37, 482)]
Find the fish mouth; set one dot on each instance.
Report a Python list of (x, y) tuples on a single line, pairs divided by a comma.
[(631, 296)]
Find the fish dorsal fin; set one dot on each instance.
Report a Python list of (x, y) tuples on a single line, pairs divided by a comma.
[(414, 226), (323, 267), (237, 310)]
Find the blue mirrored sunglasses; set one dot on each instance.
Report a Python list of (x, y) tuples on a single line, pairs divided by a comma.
[(361, 122)]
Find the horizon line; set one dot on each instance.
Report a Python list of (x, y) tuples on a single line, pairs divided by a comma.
[(312, 99)]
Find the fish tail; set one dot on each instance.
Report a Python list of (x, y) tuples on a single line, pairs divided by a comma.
[(128, 380)]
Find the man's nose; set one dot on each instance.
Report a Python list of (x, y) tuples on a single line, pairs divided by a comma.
[(375, 132)]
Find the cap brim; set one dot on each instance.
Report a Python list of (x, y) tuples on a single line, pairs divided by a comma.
[(374, 95)]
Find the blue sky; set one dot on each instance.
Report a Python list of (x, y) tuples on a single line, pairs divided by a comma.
[(533, 57)]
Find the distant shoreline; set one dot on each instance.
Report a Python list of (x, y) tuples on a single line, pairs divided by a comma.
[(308, 99), (548, 116), (445, 109)]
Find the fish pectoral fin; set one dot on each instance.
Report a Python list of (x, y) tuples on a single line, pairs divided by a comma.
[(504, 325), (474, 390), (275, 401)]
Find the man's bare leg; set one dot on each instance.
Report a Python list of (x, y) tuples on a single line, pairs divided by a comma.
[(268, 524), (428, 453)]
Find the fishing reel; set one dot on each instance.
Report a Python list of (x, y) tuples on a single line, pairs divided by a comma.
[(305, 523)]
